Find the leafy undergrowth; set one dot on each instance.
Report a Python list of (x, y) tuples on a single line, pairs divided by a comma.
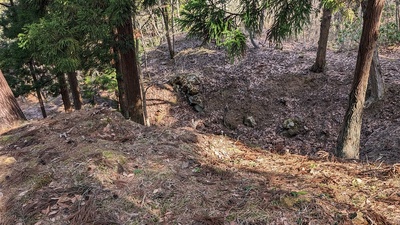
[(94, 167)]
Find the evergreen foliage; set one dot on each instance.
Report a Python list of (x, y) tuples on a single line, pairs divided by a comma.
[(214, 20), (61, 35)]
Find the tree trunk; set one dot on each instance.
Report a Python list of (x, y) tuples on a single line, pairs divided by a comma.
[(123, 105), (74, 86), (251, 36), (39, 96), (348, 145), (10, 112), (398, 14), (130, 74), (121, 90), (62, 82), (375, 89), (173, 25), (376, 84), (164, 13), (320, 62), (38, 91)]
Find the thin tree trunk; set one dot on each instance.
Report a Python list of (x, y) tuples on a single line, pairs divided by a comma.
[(178, 6), (251, 36), (10, 112), (376, 83), (320, 62), (173, 25), (74, 86), (164, 13), (398, 14), (62, 82), (348, 145), (130, 74), (155, 27), (38, 91), (143, 96)]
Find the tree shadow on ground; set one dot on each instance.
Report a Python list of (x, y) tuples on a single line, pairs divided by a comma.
[(93, 166), (273, 86)]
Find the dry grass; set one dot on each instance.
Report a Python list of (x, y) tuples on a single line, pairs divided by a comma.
[(172, 176)]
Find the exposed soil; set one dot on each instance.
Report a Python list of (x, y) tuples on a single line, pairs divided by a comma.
[(272, 86), (214, 166)]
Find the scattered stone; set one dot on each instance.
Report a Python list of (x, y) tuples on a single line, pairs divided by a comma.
[(292, 127), (4, 160), (189, 85), (185, 165), (249, 121)]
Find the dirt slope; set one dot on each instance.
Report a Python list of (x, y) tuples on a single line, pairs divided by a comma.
[(94, 167)]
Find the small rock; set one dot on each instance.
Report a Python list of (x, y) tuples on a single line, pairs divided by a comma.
[(358, 218), (249, 121), (288, 124), (185, 165), (292, 127), (4, 160)]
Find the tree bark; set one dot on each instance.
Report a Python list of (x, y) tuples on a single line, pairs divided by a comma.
[(128, 64), (164, 13), (10, 112), (376, 83), (375, 89), (74, 86), (251, 36), (398, 14), (37, 89), (120, 83), (62, 82), (348, 144), (320, 62), (123, 105)]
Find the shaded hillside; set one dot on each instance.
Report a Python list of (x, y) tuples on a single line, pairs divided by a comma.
[(273, 86)]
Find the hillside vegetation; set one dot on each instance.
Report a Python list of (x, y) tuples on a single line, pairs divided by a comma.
[(212, 165)]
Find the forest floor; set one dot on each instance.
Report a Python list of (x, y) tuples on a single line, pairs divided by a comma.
[(259, 151)]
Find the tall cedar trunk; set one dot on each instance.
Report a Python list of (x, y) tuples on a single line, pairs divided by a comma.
[(123, 105), (348, 145), (121, 90), (10, 112), (376, 89), (320, 62), (62, 82), (164, 13), (74, 86), (376, 84), (128, 64)]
